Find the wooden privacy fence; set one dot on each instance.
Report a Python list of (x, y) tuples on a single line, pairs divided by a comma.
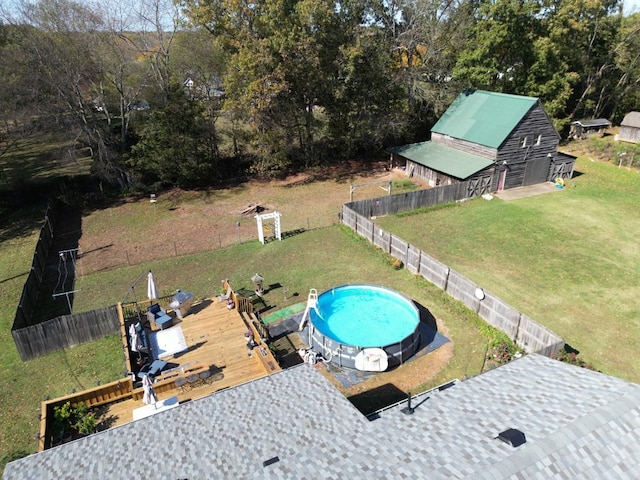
[(31, 288), (525, 332), (65, 331), (400, 202)]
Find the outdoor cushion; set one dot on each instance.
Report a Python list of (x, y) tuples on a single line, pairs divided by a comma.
[(155, 308), (158, 315), (163, 320)]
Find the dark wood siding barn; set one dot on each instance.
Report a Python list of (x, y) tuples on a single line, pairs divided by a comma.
[(525, 156), (581, 129), (497, 141)]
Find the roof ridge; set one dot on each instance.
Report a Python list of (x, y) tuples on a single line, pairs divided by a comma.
[(513, 95)]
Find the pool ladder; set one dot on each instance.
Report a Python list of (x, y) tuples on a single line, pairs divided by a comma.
[(312, 302)]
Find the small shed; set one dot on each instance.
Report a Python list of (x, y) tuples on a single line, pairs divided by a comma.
[(581, 129), (630, 128)]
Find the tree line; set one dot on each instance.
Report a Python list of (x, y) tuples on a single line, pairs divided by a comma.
[(191, 92)]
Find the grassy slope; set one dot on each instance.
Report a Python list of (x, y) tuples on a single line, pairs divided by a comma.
[(569, 260)]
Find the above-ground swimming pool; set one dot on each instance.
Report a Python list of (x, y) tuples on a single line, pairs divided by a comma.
[(350, 318)]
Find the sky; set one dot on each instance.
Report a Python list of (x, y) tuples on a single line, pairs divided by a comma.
[(631, 6)]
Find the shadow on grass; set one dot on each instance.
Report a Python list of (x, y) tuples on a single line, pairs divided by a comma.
[(292, 233), (569, 349)]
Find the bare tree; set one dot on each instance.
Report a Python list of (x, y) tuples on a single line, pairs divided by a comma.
[(159, 21)]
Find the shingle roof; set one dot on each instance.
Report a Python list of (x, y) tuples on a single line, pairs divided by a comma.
[(578, 424), (441, 158), (485, 118)]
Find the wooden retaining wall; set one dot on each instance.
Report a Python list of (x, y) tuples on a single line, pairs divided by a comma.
[(94, 397), (529, 335)]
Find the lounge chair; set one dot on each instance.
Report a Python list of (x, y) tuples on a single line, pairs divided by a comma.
[(154, 369)]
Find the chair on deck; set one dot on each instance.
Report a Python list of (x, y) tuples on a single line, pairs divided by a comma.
[(205, 377), (159, 316), (181, 384)]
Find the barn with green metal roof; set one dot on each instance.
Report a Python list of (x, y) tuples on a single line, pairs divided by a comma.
[(495, 141)]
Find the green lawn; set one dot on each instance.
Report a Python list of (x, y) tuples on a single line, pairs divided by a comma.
[(25, 384), (569, 259)]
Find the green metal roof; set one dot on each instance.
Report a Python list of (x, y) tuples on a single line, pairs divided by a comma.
[(485, 118), (450, 161)]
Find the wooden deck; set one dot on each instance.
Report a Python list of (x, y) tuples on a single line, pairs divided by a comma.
[(215, 340)]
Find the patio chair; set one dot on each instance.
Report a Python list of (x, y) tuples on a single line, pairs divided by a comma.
[(205, 377), (154, 369), (159, 316), (181, 384)]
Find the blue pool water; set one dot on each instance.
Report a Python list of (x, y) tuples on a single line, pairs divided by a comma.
[(365, 316)]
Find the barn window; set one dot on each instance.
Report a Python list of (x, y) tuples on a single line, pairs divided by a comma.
[(523, 142), (539, 139)]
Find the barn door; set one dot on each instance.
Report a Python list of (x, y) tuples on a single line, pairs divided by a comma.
[(560, 170), (479, 186), (502, 179), (536, 171)]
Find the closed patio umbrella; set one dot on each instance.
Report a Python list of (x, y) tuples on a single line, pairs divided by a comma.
[(152, 291), (149, 396)]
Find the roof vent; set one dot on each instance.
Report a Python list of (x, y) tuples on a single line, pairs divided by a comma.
[(513, 437), (272, 460), (408, 410)]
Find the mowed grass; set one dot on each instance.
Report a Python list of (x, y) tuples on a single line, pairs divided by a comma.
[(568, 259), (313, 259)]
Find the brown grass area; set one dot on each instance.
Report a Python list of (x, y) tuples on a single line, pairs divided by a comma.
[(186, 222)]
